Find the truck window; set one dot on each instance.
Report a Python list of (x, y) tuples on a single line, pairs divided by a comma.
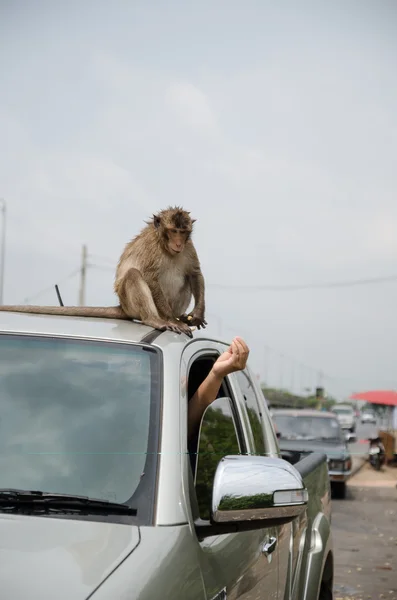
[(76, 415), (253, 410), (218, 437)]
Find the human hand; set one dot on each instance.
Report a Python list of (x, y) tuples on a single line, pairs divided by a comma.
[(234, 359)]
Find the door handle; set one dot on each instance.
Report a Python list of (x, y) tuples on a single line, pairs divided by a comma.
[(269, 546)]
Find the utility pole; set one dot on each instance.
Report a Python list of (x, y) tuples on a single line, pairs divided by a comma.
[(83, 273), (3, 248), (320, 397)]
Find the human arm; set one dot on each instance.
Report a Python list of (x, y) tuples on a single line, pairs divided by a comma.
[(234, 359)]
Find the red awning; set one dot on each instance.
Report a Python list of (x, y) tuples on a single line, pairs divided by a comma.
[(388, 397)]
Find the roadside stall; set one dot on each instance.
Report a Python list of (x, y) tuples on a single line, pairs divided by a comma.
[(388, 399)]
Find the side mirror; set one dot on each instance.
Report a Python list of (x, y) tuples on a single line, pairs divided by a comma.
[(253, 492), (351, 437)]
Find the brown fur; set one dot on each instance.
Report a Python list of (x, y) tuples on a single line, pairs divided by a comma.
[(156, 277)]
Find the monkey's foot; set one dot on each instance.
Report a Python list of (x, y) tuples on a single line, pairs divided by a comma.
[(179, 327), (175, 326)]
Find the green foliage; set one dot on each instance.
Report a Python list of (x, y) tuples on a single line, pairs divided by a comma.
[(284, 399), (246, 502)]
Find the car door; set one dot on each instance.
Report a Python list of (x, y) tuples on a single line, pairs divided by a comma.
[(246, 389), (241, 565), (291, 537)]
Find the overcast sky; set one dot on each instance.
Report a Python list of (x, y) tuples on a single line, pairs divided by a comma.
[(274, 123)]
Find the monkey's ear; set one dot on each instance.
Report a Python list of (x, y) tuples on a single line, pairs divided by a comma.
[(156, 221)]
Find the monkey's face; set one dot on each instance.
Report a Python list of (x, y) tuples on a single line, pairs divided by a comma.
[(175, 228), (176, 239)]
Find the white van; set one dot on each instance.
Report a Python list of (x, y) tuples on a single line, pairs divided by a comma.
[(346, 416)]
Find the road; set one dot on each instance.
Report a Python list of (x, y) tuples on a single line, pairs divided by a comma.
[(360, 447), (365, 533)]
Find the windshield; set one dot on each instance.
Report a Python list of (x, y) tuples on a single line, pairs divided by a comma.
[(74, 415), (303, 427), (343, 411)]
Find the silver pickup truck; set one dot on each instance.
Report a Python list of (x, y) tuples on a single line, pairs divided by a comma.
[(101, 498)]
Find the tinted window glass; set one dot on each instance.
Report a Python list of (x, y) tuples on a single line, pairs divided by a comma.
[(342, 411), (305, 427), (74, 416), (218, 438), (252, 407)]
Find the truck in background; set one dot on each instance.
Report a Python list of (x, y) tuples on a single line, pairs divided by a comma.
[(346, 416)]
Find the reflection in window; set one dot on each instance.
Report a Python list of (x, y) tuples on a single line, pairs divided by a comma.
[(218, 438), (303, 427), (74, 416), (251, 404)]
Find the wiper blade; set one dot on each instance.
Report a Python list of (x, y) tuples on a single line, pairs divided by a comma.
[(32, 499)]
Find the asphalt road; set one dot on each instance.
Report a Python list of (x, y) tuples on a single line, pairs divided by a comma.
[(365, 534)]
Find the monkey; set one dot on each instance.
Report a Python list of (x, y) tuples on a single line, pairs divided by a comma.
[(159, 272), (156, 277)]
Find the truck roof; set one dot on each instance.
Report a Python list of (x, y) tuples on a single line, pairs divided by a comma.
[(85, 327)]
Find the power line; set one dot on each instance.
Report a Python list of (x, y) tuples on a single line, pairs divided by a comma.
[(101, 267), (274, 351), (45, 290), (228, 328), (285, 287), (306, 286), (103, 258)]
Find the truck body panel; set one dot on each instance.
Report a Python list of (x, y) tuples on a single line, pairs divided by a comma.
[(163, 551)]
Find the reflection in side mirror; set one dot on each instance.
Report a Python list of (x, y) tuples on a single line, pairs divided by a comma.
[(256, 487), (252, 492)]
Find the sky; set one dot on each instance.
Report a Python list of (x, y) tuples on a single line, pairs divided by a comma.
[(274, 123)]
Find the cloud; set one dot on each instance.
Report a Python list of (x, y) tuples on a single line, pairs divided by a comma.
[(192, 106), (281, 141)]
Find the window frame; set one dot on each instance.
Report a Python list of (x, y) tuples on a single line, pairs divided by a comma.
[(194, 351), (272, 447), (246, 374)]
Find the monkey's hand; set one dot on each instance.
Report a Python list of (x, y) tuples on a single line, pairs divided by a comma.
[(195, 319)]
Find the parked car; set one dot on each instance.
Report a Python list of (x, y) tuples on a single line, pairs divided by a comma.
[(346, 416), (100, 498), (302, 432), (368, 416)]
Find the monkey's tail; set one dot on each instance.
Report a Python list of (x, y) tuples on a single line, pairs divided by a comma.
[(102, 312)]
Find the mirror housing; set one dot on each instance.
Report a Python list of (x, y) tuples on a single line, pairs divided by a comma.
[(350, 437), (253, 492)]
